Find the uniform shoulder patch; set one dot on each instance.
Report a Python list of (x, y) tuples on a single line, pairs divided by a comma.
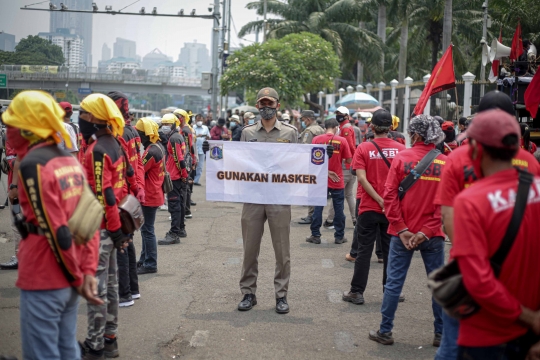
[(289, 125), (248, 125)]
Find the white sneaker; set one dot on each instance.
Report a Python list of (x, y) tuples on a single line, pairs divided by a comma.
[(126, 302), (135, 296), (164, 208)]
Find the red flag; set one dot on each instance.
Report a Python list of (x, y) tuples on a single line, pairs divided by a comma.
[(517, 44), (532, 95), (442, 78)]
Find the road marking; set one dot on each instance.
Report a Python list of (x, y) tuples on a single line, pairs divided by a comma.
[(334, 296), (344, 341), (199, 338), (232, 261), (327, 263)]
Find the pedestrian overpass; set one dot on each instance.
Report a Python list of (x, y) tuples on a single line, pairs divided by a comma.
[(83, 82)]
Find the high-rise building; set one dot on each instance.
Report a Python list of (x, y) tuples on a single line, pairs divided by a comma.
[(80, 24), (125, 48), (105, 52), (153, 58), (7, 42), (195, 58), (72, 46)]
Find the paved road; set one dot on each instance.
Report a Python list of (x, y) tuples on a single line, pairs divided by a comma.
[(188, 309)]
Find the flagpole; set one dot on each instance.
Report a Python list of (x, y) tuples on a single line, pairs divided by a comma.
[(457, 103), (484, 39)]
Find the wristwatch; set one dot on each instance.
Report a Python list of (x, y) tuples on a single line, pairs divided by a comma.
[(13, 186)]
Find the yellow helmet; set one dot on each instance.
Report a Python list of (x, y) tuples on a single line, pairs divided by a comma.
[(170, 119), (183, 113)]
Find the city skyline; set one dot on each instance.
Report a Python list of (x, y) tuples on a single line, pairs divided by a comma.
[(166, 34)]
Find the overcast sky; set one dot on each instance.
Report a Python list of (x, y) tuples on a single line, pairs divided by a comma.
[(166, 34)]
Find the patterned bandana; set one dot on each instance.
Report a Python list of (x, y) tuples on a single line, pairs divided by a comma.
[(428, 128), (121, 101)]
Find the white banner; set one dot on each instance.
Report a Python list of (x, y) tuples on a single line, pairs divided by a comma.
[(267, 173)]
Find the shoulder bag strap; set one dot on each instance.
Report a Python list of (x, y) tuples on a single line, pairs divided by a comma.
[(497, 260), (417, 172), (382, 155), (162, 157)]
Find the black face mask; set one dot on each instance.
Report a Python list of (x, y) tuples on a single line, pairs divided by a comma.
[(145, 139), (88, 129), (340, 118)]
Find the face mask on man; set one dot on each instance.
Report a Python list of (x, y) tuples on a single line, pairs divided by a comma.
[(303, 124), (199, 123), (251, 121), (340, 118), (165, 129), (232, 125), (267, 112)]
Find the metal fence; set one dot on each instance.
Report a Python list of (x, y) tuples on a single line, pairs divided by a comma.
[(14, 72)]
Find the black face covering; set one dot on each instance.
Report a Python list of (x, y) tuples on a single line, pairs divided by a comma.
[(340, 118), (88, 129), (145, 139)]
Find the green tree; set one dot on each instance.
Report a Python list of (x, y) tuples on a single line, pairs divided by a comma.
[(33, 50), (295, 65), (334, 20)]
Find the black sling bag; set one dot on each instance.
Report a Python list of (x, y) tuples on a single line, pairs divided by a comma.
[(382, 155), (446, 283), (417, 172)]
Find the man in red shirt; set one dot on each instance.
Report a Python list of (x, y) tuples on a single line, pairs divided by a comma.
[(345, 131), (336, 185), (176, 166), (372, 162), (53, 270), (459, 174), (107, 168), (509, 303), (154, 167), (415, 222), (220, 131)]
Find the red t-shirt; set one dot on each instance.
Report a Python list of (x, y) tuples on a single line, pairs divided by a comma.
[(416, 210), (482, 215), (347, 132), (341, 152), (532, 146), (368, 158), (458, 173)]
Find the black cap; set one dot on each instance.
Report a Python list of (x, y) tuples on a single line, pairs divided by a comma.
[(382, 118), (497, 100), (308, 113)]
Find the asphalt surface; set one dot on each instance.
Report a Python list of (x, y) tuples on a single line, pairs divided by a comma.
[(188, 309)]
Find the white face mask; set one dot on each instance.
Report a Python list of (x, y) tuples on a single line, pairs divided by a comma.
[(166, 129), (199, 123)]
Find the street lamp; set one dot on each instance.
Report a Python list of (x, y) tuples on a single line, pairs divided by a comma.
[(192, 12), (52, 6), (181, 12), (94, 7), (321, 94), (154, 11), (142, 11), (349, 89)]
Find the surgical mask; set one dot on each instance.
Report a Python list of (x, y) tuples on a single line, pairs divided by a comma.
[(267, 112), (303, 125), (232, 125), (199, 123), (340, 118), (165, 129), (251, 121)]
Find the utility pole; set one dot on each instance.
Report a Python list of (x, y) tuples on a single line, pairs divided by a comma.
[(484, 39), (224, 49), (265, 23), (215, 59)]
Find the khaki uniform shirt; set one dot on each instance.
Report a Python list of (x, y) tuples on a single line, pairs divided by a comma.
[(310, 132), (280, 133)]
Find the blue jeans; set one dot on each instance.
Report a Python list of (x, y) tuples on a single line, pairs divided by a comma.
[(399, 260), (49, 324), (149, 247), (338, 200), (200, 166), (449, 347)]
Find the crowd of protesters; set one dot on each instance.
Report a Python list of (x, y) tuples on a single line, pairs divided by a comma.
[(454, 183)]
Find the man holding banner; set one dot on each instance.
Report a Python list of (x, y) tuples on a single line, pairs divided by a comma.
[(268, 129)]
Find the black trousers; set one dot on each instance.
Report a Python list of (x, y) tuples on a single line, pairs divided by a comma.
[(128, 281), (177, 208), (189, 191), (368, 225), (354, 245)]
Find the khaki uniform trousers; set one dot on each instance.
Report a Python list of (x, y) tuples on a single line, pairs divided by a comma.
[(279, 220)]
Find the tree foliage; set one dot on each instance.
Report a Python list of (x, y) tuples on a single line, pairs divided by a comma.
[(293, 65), (33, 50)]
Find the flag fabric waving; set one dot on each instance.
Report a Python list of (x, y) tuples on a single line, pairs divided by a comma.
[(494, 72), (442, 78), (532, 95), (517, 44)]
